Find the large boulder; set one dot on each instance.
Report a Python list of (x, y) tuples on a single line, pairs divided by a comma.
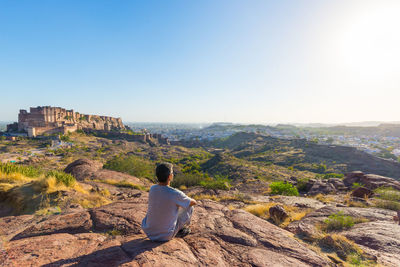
[(370, 181), (362, 192), (278, 213), (84, 169), (321, 187)]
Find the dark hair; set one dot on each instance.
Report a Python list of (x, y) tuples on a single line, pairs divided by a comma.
[(163, 171)]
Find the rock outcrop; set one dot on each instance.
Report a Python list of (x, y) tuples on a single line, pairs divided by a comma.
[(220, 237), (378, 236), (370, 181), (83, 169)]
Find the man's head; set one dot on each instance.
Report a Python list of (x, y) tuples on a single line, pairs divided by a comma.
[(163, 172)]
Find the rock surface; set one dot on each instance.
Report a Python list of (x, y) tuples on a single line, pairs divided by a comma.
[(83, 169), (362, 192), (370, 181), (378, 236), (220, 237)]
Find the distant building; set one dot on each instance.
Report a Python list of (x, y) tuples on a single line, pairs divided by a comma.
[(51, 120)]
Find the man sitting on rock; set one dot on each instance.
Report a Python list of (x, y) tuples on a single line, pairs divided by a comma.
[(169, 210)]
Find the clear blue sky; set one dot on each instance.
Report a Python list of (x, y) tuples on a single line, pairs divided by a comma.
[(203, 61)]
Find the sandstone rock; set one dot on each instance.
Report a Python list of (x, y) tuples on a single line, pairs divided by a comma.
[(83, 169), (220, 237), (122, 216), (337, 183), (50, 250), (370, 181), (300, 202), (381, 238), (78, 222), (362, 192), (321, 187), (278, 213)]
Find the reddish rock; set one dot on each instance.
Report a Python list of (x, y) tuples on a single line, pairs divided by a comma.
[(370, 181), (278, 213), (78, 222), (83, 169), (380, 238), (123, 216), (362, 192)]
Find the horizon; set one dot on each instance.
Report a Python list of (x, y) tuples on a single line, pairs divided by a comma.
[(259, 62)]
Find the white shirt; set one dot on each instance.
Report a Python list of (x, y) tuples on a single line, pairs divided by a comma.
[(162, 212)]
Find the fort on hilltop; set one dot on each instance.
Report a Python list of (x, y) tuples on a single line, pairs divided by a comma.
[(51, 120)]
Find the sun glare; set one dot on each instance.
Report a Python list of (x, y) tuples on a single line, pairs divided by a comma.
[(369, 44)]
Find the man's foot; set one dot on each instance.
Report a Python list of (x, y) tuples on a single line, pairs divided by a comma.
[(183, 232)]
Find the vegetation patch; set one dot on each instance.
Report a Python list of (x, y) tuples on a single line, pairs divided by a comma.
[(339, 221), (124, 183), (387, 198), (283, 188), (262, 211), (33, 190), (132, 165)]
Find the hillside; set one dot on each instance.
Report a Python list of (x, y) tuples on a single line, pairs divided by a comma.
[(304, 155)]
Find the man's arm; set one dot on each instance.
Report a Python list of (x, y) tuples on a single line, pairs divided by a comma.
[(192, 202)]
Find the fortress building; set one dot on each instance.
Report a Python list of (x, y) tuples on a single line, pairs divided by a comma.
[(50, 120)]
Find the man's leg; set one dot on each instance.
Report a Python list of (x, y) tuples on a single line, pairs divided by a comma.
[(184, 217)]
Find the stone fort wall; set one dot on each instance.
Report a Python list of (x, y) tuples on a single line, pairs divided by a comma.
[(49, 120)]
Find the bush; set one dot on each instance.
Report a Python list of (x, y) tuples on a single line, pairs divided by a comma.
[(338, 221), (218, 183), (283, 188), (187, 179), (132, 165)]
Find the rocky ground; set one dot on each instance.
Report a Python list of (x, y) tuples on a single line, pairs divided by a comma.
[(223, 233)]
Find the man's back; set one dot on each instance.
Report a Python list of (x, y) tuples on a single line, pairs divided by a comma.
[(162, 212)]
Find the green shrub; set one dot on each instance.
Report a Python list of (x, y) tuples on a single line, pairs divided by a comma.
[(218, 183), (338, 221), (283, 188), (132, 165), (187, 179)]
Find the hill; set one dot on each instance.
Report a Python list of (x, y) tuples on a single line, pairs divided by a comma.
[(301, 154)]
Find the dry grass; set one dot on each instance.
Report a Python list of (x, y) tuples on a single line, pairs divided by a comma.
[(235, 197), (123, 183), (324, 198), (42, 194), (91, 201), (262, 211)]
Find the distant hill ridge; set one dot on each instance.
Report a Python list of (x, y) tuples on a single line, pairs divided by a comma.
[(303, 154)]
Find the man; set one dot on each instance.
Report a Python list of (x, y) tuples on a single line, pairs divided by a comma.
[(169, 210)]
